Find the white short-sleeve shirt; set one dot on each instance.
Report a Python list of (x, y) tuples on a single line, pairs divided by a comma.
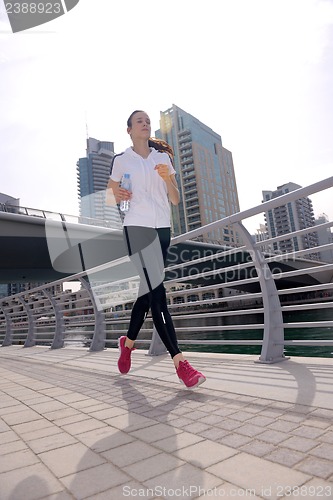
[(149, 205)]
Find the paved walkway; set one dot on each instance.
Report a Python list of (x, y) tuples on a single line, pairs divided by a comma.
[(71, 427)]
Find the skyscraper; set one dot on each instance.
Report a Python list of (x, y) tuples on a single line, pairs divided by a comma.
[(93, 173), (325, 237), (205, 174), (293, 216)]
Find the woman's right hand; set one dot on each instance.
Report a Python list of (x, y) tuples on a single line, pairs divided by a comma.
[(122, 194), (116, 193)]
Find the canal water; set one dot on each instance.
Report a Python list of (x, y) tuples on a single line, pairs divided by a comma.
[(290, 334)]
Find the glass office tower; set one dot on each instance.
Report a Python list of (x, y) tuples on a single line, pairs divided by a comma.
[(205, 175), (93, 173)]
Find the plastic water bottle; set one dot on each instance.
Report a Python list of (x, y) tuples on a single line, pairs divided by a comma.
[(126, 184)]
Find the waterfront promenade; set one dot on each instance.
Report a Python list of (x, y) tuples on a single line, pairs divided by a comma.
[(71, 427)]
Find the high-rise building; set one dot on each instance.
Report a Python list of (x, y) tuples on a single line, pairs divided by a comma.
[(293, 216), (205, 174), (325, 237), (93, 173)]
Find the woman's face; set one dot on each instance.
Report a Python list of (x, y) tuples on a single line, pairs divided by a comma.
[(140, 128)]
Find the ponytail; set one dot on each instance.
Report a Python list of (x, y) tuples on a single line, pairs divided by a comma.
[(161, 146)]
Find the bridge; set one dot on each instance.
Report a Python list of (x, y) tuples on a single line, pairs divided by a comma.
[(29, 237), (72, 427)]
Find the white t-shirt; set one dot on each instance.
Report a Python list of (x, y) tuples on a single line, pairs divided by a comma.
[(149, 206)]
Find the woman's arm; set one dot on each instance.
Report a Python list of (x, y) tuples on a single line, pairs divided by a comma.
[(170, 181), (173, 191)]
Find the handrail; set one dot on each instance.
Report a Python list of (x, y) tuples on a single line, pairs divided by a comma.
[(98, 302)]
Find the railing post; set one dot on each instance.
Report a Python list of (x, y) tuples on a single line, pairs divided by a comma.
[(58, 339), (30, 340), (156, 347), (99, 337), (8, 335), (272, 346)]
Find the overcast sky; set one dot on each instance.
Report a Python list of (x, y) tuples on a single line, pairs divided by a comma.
[(258, 72)]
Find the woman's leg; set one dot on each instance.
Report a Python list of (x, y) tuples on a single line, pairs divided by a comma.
[(159, 308), (136, 239)]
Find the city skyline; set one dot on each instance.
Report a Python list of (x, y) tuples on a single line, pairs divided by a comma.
[(259, 74)]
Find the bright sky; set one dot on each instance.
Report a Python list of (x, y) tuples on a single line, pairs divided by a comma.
[(259, 73)]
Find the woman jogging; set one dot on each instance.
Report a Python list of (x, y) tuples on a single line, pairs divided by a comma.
[(147, 236)]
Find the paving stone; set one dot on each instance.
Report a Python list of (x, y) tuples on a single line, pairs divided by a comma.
[(197, 427), (177, 442), (316, 467), (205, 453), (12, 447), (48, 406), (21, 417), (258, 448), (155, 433), (323, 413), (51, 442), (300, 444), (23, 483), (51, 430), (83, 426), (17, 460), (3, 426), (91, 481), (303, 409), (8, 437), (327, 437), (60, 414), (275, 437), (262, 421), (323, 451), (283, 426), (213, 434), (235, 440), (153, 466), (293, 417), (229, 424), (284, 456), (70, 459), (130, 453), (308, 432), (211, 419), (130, 422), (181, 422), (249, 430), (320, 423), (183, 482), (105, 438), (224, 412), (250, 472)]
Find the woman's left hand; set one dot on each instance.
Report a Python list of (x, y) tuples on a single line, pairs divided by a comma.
[(163, 171)]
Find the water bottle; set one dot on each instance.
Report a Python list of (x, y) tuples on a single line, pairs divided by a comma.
[(126, 184)]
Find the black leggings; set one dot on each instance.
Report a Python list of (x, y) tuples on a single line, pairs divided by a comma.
[(147, 248)]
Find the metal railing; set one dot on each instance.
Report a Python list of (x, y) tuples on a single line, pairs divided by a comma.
[(54, 216), (243, 292)]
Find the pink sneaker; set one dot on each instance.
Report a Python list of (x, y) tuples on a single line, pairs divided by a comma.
[(189, 376), (124, 361)]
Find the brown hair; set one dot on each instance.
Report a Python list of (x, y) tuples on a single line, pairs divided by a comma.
[(160, 145)]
